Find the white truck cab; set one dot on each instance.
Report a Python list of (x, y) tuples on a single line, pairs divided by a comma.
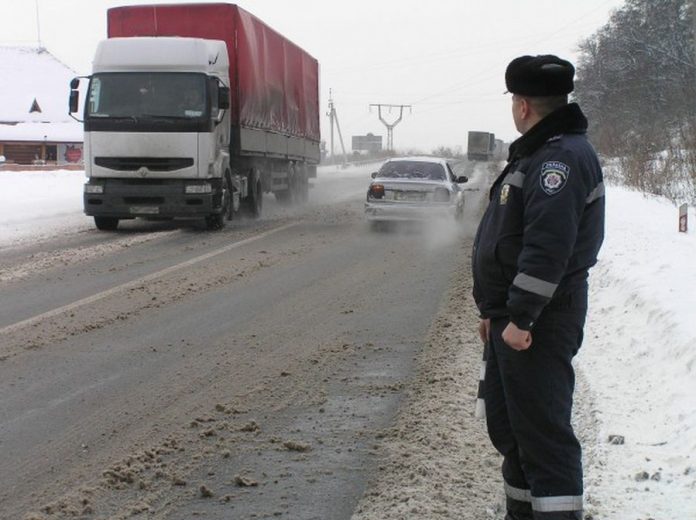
[(157, 131)]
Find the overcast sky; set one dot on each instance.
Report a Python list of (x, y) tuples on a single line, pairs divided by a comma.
[(446, 58)]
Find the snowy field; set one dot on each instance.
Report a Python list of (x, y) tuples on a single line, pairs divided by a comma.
[(638, 359)]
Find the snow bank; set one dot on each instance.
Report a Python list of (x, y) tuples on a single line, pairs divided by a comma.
[(639, 359), (36, 205)]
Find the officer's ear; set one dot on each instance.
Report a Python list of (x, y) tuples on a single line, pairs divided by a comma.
[(525, 108)]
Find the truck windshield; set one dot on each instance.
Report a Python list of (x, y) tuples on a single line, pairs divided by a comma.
[(147, 94)]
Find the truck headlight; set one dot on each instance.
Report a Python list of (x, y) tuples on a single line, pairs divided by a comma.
[(94, 188), (199, 188)]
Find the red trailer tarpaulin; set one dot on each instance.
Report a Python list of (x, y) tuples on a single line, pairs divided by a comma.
[(275, 84)]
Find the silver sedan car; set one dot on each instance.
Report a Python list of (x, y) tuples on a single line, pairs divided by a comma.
[(414, 188)]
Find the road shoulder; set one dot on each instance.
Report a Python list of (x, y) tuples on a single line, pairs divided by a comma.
[(436, 460)]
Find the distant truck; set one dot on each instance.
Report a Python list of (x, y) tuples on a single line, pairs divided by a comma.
[(196, 111), (480, 146)]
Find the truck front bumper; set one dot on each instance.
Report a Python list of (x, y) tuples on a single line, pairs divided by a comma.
[(163, 198)]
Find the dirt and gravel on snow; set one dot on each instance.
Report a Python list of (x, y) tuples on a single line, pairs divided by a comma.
[(434, 461)]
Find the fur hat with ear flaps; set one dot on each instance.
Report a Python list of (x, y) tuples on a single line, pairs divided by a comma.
[(539, 76)]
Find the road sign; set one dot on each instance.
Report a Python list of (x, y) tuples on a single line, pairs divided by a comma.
[(369, 142)]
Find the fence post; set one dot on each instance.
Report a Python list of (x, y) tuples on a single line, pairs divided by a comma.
[(683, 218)]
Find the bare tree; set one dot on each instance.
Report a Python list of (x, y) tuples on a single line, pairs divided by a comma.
[(637, 82)]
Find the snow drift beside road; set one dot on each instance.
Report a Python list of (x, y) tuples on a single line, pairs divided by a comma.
[(639, 359), (37, 205), (639, 353)]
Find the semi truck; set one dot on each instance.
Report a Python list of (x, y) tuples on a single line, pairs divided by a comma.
[(196, 111), (480, 146)]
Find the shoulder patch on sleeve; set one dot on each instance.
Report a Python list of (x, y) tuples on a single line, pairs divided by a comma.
[(554, 175)]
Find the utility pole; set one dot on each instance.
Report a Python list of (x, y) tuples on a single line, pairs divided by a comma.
[(333, 117), (38, 25), (390, 126)]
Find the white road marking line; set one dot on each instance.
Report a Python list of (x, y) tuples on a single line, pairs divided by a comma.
[(134, 283)]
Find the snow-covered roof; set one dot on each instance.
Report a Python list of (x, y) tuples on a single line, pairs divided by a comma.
[(31, 77), (62, 132)]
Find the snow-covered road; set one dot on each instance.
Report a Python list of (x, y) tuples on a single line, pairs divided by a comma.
[(638, 359)]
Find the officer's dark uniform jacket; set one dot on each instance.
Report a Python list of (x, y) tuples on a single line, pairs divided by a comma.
[(544, 223)]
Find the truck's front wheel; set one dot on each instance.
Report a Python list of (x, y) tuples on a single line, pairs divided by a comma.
[(106, 223), (217, 220)]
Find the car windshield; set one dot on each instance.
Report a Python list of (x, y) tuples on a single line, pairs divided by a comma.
[(147, 94), (412, 170)]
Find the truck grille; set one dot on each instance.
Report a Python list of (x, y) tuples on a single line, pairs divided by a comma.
[(155, 164)]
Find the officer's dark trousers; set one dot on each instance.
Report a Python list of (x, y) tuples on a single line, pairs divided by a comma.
[(529, 397)]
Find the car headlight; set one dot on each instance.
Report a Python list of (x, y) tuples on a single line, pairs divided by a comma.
[(199, 188), (94, 188)]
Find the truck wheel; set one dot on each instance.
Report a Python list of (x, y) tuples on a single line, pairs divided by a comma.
[(288, 196), (284, 197), (300, 186), (304, 193), (106, 223), (227, 204), (217, 220), (254, 202)]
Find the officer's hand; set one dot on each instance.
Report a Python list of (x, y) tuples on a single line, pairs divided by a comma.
[(516, 338), (484, 330)]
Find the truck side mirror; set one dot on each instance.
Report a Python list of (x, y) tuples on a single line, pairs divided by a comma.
[(74, 100), (74, 83), (223, 97)]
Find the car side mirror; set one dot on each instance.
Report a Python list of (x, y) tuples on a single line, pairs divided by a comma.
[(373, 175), (223, 97), (462, 179)]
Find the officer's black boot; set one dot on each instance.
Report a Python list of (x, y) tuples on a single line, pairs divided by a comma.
[(517, 510), (517, 516)]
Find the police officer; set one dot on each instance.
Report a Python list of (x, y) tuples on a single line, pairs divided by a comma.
[(538, 238)]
